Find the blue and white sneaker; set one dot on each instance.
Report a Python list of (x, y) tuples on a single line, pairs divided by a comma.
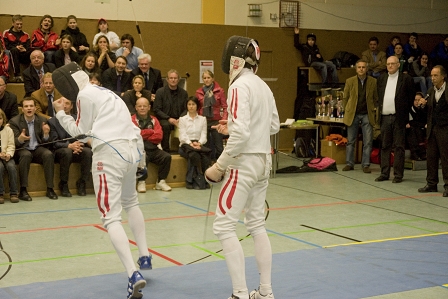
[(144, 262), (135, 284)]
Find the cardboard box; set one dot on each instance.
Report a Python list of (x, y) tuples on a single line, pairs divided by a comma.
[(331, 150)]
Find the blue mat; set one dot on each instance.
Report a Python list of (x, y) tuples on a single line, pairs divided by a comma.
[(355, 271)]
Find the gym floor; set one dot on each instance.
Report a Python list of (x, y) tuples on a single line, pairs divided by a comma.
[(333, 234)]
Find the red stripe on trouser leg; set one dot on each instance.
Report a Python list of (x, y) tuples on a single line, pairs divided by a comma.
[(232, 190), (106, 194), (223, 190), (98, 197)]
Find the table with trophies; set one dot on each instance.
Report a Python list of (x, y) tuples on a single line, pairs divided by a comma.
[(329, 110)]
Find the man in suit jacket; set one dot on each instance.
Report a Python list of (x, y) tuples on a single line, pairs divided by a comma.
[(153, 78), (32, 81), (68, 151), (30, 130), (8, 101), (360, 102), (111, 77), (42, 97), (437, 131), (169, 105), (396, 96)]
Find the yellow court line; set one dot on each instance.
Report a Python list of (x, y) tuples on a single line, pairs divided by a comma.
[(384, 240)]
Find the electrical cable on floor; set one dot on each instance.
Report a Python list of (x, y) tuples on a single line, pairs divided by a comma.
[(241, 239), (9, 259)]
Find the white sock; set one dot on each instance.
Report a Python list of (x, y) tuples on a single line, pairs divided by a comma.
[(263, 255), (137, 224), (233, 252), (120, 241)]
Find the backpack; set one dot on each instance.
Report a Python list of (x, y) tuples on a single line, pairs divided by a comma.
[(345, 59), (302, 149)]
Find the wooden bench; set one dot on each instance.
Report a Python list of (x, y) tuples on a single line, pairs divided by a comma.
[(38, 187)]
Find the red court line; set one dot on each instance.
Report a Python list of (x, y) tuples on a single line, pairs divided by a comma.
[(150, 250), (95, 224), (348, 202)]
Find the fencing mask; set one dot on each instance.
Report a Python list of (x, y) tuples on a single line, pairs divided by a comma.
[(69, 80), (240, 52)]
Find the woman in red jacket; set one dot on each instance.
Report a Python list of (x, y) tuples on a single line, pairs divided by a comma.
[(213, 105), (44, 39)]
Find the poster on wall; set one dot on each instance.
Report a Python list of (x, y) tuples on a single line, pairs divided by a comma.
[(203, 66)]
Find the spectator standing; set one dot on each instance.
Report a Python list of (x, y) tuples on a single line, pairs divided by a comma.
[(437, 132), (395, 98), (213, 106), (360, 102)]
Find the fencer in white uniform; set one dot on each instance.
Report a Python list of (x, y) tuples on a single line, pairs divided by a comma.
[(116, 147), (244, 166)]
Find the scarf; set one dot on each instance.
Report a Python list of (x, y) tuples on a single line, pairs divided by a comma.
[(209, 101)]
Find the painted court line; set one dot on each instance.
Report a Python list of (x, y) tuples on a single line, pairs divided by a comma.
[(389, 239)]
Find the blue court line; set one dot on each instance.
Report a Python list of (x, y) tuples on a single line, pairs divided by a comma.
[(270, 231), (69, 210)]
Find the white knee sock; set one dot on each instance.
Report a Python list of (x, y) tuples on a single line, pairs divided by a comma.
[(233, 252), (120, 241), (137, 224), (263, 255)]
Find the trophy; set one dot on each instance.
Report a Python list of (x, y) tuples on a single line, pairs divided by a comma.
[(327, 99), (318, 107)]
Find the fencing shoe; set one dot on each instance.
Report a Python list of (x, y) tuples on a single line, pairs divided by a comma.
[(255, 294), (135, 284), (141, 187), (144, 262)]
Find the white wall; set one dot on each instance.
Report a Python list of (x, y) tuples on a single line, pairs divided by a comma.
[(423, 16)]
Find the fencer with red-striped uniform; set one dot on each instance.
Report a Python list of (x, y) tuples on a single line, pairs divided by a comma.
[(116, 147), (244, 166)]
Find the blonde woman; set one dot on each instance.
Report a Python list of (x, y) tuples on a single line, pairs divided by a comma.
[(6, 161)]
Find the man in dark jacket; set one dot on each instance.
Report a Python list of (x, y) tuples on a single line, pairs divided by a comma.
[(169, 105), (8, 101), (68, 151), (312, 57), (152, 76), (34, 74), (437, 132)]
